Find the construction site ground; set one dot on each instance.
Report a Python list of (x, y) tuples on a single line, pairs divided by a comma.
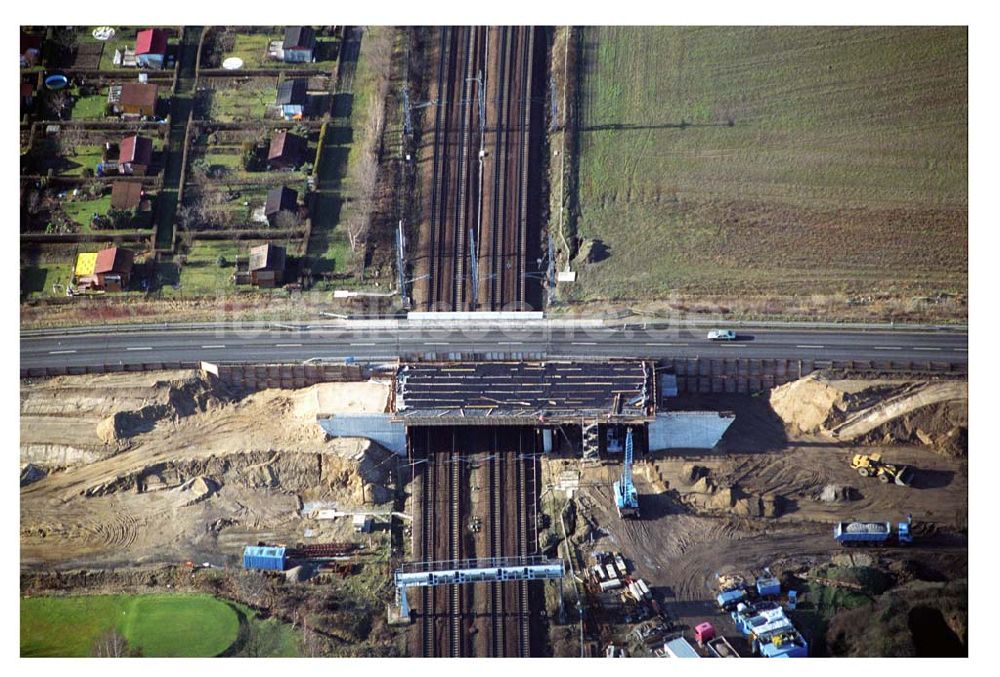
[(128, 471), (703, 512), (164, 467)]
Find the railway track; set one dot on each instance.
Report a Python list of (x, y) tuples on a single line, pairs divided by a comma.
[(482, 619), (498, 627), (427, 492), (455, 549), (480, 207)]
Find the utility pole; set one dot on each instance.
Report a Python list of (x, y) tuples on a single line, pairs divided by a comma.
[(407, 111), (473, 252)]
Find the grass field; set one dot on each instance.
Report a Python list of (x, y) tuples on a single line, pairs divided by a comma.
[(156, 625), (90, 107), (82, 211), (37, 279), (253, 50), (86, 157), (201, 272), (773, 161), (242, 100)]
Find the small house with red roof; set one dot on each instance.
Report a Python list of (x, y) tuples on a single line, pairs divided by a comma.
[(151, 48), (108, 270), (135, 155)]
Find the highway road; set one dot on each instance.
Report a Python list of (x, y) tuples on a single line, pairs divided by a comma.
[(223, 343)]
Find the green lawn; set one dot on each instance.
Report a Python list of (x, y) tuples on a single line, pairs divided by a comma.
[(86, 157), (329, 246), (157, 625), (201, 273), (90, 107), (82, 211), (773, 161), (38, 279), (241, 101), (253, 50)]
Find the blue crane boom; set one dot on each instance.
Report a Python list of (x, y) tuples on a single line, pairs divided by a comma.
[(626, 497)]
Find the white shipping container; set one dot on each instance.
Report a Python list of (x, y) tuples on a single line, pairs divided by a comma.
[(613, 584), (612, 574)]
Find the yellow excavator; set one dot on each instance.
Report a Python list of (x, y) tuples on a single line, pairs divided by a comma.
[(872, 465)]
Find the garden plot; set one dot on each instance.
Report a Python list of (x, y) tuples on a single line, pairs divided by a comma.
[(251, 45), (76, 151)]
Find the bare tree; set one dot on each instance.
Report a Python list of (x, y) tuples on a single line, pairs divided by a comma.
[(286, 219), (364, 175), (311, 641), (112, 644), (253, 589)]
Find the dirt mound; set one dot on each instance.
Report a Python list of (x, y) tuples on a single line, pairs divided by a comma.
[(175, 399), (808, 404), (837, 493), (196, 490), (326, 399), (931, 413), (185, 468)]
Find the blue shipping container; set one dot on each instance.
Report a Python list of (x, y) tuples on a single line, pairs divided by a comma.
[(266, 558), (730, 597)]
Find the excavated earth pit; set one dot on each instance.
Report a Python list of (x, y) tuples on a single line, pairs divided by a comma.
[(130, 469)]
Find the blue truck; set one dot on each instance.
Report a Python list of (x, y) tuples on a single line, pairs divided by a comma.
[(872, 533)]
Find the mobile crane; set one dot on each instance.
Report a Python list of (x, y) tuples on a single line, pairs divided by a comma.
[(626, 497)]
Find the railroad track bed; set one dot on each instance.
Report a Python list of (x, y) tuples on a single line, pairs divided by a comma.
[(480, 219), (474, 492)]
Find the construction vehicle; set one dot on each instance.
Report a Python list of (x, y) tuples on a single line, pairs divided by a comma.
[(626, 496), (873, 533), (872, 465), (721, 648)]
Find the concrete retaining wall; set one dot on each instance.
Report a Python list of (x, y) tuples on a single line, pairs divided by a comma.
[(260, 377), (740, 375), (688, 429), (375, 427)]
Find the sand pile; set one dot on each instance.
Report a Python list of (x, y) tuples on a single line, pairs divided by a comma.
[(171, 400), (327, 399), (196, 490), (931, 413), (837, 493)]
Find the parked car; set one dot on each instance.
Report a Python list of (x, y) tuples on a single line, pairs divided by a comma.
[(722, 335)]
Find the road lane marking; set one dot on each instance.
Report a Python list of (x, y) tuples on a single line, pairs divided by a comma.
[(61, 352), (734, 345), (814, 347), (287, 345), (429, 343), (962, 350), (212, 347), (930, 348), (678, 345), (509, 343), (354, 345), (142, 348), (887, 347), (584, 343)]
